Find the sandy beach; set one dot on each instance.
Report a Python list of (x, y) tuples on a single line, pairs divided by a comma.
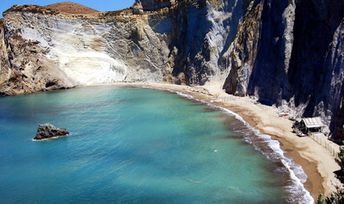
[(316, 161)]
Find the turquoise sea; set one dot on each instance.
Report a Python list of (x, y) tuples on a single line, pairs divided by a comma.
[(131, 145)]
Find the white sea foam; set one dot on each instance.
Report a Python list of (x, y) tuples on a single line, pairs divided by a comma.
[(296, 189), (50, 138)]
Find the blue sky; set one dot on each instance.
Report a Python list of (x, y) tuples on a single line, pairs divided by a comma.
[(101, 5)]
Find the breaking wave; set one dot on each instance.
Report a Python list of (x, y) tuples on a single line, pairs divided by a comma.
[(272, 150)]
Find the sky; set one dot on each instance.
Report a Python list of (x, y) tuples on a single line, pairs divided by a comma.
[(101, 5)]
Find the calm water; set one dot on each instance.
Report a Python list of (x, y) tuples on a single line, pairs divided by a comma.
[(128, 145)]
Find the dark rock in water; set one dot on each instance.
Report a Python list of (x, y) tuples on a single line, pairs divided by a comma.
[(47, 131)]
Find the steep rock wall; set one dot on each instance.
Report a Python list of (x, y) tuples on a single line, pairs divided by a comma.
[(4, 65), (311, 70), (240, 58), (335, 82), (299, 57), (203, 32), (262, 51)]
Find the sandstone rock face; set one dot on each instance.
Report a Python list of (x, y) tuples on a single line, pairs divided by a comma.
[(48, 131), (283, 52)]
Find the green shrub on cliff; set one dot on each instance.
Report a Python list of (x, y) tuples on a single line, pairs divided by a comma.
[(336, 197), (340, 162)]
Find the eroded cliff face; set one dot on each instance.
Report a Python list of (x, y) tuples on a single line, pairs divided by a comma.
[(298, 57), (158, 40), (283, 52), (64, 51), (4, 66), (241, 56), (205, 30), (335, 82)]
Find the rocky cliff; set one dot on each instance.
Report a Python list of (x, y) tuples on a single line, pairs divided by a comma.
[(65, 50), (298, 57), (287, 52)]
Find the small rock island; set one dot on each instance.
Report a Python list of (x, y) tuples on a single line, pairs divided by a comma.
[(49, 131)]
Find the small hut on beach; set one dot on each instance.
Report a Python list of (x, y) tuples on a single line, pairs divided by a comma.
[(308, 125), (311, 125)]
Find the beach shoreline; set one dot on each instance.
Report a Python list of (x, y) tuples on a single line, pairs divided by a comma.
[(317, 162)]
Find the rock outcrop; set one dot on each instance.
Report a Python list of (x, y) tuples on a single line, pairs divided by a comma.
[(4, 61), (49, 131), (285, 53)]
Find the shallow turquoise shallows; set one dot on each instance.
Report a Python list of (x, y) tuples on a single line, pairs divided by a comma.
[(129, 145)]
